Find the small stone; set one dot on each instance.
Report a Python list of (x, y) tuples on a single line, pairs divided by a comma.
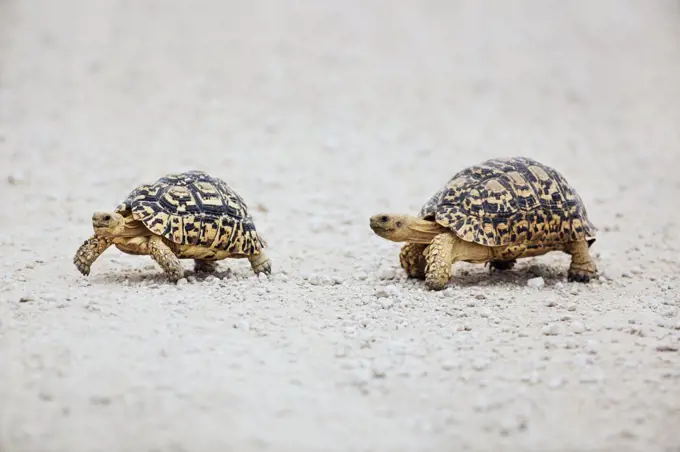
[(26, 299), (571, 307), (486, 312), (211, 279), (315, 279), (480, 364), (552, 329), (536, 283), (570, 343), (191, 279), (556, 383), (448, 365), (551, 303), (387, 273), (16, 178), (182, 282), (577, 327), (591, 347), (387, 291), (471, 304), (242, 325), (467, 327)]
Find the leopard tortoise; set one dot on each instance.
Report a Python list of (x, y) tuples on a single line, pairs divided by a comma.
[(188, 215), (494, 212)]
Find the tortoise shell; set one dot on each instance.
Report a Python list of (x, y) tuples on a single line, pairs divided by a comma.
[(506, 201), (194, 208)]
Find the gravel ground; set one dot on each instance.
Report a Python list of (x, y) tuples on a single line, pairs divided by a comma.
[(321, 114)]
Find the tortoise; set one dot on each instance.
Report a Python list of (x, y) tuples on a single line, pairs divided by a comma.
[(188, 215), (494, 213)]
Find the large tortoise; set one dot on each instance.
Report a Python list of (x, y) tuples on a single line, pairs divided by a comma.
[(497, 211), (189, 215)]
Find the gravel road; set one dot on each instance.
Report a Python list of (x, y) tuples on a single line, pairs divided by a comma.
[(321, 114)]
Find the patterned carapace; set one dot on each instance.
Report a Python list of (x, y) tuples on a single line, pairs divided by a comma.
[(194, 208), (506, 201)]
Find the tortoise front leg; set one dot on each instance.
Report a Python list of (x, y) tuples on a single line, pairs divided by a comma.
[(582, 268), (413, 260), (204, 266), (89, 251), (163, 255), (444, 251), (439, 257)]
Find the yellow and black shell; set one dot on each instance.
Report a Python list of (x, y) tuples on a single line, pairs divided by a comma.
[(194, 208), (506, 201)]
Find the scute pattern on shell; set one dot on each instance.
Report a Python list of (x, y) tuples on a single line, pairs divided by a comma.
[(194, 208), (506, 201)]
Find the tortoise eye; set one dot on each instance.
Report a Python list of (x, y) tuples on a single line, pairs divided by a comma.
[(384, 218), (107, 217)]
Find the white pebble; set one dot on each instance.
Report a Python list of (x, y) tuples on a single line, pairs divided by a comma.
[(387, 273), (577, 327), (556, 383), (191, 279), (591, 347), (536, 282), (552, 329), (387, 291), (571, 307), (480, 364), (242, 325), (316, 279)]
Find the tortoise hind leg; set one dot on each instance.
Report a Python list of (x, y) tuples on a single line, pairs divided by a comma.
[(89, 251), (204, 266), (413, 260), (260, 263), (582, 268), (163, 255)]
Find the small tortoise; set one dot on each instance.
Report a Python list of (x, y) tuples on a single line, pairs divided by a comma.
[(494, 212), (189, 215)]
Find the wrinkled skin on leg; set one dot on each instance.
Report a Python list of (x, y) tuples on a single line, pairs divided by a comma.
[(163, 255), (439, 257), (582, 268), (89, 251), (413, 260)]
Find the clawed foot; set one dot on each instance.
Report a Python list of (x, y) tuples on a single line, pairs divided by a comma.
[(82, 266), (434, 283), (261, 264), (584, 276)]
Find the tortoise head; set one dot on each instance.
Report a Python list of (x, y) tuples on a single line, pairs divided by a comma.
[(405, 228), (392, 227), (108, 224)]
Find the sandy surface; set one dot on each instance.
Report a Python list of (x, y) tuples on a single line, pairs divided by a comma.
[(321, 114)]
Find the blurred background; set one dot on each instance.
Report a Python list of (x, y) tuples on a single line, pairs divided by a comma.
[(350, 105)]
